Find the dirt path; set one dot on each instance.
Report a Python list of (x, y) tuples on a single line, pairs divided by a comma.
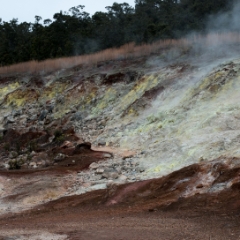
[(152, 209), (97, 225), (87, 217)]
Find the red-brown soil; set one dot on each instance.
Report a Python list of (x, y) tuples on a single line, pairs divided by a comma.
[(152, 209)]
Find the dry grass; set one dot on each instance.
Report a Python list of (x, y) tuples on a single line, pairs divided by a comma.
[(125, 52)]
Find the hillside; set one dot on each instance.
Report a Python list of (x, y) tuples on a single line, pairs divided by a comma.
[(128, 137)]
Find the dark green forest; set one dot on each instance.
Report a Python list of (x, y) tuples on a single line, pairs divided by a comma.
[(75, 32)]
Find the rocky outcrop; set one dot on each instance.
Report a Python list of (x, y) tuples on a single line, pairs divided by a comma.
[(170, 115)]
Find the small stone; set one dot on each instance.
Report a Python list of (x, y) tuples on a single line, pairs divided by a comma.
[(33, 164), (33, 154), (113, 175), (59, 157), (39, 163), (100, 171), (199, 185), (43, 115), (110, 183), (94, 165), (13, 154), (87, 184), (101, 143), (128, 156), (107, 155), (10, 119), (122, 178), (140, 169), (118, 169)]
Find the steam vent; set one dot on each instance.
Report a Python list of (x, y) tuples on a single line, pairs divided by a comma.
[(138, 142)]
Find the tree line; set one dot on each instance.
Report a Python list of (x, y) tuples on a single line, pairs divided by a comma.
[(75, 32)]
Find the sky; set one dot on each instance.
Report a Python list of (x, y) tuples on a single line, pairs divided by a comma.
[(25, 10)]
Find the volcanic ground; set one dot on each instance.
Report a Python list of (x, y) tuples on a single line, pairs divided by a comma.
[(142, 148)]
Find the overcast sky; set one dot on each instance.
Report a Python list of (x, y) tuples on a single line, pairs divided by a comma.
[(25, 10)]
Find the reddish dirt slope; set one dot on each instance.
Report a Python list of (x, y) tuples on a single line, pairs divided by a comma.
[(153, 209)]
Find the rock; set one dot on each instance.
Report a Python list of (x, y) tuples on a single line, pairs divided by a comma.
[(94, 165), (110, 183), (32, 117), (24, 166), (6, 165), (47, 163), (95, 178), (33, 154), (101, 143), (107, 155), (99, 186), (2, 131), (59, 157), (122, 178), (67, 144), (111, 175), (77, 116), (50, 108), (82, 146), (10, 119), (23, 117), (13, 154), (40, 163), (31, 112), (109, 169), (100, 171), (32, 129), (87, 184), (60, 99), (118, 169), (43, 115), (17, 113), (140, 169), (33, 164)]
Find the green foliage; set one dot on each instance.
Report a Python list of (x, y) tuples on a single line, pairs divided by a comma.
[(15, 164), (76, 33), (59, 137)]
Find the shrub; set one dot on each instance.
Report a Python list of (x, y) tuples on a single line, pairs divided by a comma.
[(59, 137), (14, 164)]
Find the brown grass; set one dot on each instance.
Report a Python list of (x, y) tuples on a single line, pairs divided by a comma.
[(125, 52)]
